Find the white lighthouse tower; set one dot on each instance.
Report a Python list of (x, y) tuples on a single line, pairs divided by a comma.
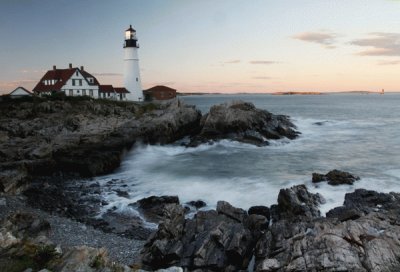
[(131, 70)]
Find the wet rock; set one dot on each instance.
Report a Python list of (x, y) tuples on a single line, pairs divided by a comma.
[(296, 202), (344, 213), (335, 177), (368, 201), (153, 207), (217, 241), (197, 204), (243, 122), (122, 193), (316, 177), (261, 210), (227, 209)]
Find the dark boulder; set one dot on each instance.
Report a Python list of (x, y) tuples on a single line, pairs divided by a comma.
[(335, 177), (260, 210), (227, 209), (316, 177), (198, 204), (153, 207), (243, 122), (212, 241), (296, 202)]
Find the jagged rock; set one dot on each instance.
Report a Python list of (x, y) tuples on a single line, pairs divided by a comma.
[(210, 241), (153, 207), (261, 210), (335, 177), (356, 237), (243, 122), (296, 202), (227, 209), (197, 204), (363, 201)]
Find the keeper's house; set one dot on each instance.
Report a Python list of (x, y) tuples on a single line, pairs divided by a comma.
[(76, 82)]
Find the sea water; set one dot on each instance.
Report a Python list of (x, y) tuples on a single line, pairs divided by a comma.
[(358, 133)]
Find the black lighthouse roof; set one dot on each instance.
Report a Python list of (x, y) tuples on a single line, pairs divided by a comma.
[(130, 29)]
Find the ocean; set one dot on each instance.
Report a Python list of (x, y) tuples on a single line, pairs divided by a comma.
[(358, 133)]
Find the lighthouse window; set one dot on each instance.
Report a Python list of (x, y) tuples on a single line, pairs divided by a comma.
[(137, 79)]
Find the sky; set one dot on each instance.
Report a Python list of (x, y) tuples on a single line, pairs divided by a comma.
[(226, 46)]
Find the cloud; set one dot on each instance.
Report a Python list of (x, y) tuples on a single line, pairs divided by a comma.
[(326, 39), (264, 62), (232, 61), (379, 44), (107, 74), (389, 62)]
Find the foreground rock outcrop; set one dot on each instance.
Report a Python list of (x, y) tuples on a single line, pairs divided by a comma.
[(81, 137), (243, 122), (297, 239), (24, 246)]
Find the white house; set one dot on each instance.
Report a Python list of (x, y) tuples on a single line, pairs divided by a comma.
[(76, 82), (20, 92)]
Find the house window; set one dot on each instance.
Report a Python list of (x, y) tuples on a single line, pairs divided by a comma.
[(91, 93), (83, 92), (108, 94), (90, 80), (71, 92), (76, 73), (80, 82), (78, 91), (73, 82)]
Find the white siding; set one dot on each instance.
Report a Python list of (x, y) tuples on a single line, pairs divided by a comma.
[(80, 85)]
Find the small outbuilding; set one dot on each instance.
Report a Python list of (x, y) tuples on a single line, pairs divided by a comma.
[(20, 92), (159, 93)]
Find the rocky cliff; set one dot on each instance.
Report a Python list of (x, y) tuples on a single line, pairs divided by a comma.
[(81, 137)]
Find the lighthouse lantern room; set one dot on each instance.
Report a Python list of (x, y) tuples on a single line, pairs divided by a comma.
[(132, 80)]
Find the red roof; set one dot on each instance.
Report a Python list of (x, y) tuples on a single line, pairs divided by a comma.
[(61, 76), (106, 88), (86, 75), (121, 90), (160, 88)]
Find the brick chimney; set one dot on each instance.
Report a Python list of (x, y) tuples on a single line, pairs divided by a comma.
[(54, 67), (70, 66), (81, 68)]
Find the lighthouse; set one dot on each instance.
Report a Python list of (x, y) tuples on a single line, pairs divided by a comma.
[(131, 66)]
